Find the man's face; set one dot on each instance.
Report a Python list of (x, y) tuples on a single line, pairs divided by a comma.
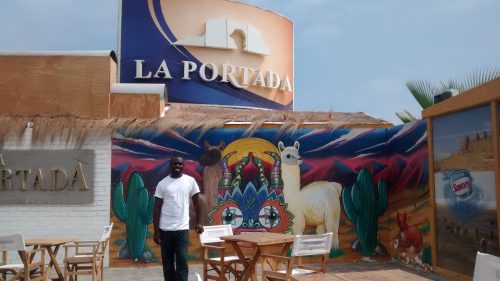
[(176, 166)]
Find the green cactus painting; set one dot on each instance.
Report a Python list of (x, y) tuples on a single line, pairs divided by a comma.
[(363, 206), (137, 213)]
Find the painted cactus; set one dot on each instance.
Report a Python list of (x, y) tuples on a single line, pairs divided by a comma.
[(137, 213), (363, 207)]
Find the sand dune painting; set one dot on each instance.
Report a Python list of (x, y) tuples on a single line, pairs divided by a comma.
[(464, 188)]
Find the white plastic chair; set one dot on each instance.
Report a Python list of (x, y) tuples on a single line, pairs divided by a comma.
[(29, 269), (487, 267), (276, 267)]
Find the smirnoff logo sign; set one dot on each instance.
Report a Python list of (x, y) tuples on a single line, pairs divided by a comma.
[(461, 184)]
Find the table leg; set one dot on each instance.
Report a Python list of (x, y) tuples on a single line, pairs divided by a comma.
[(53, 261), (248, 265), (32, 256), (250, 269), (286, 247), (238, 274), (273, 264)]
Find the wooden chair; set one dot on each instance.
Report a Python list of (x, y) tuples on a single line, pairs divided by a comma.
[(214, 252), (30, 268), (276, 267), (88, 258)]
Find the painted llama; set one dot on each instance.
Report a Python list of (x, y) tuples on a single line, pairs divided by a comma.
[(211, 171), (209, 159), (316, 204)]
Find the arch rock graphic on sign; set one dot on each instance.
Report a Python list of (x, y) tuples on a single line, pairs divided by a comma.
[(218, 35)]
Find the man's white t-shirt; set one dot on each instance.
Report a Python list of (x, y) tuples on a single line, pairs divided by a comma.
[(176, 194)]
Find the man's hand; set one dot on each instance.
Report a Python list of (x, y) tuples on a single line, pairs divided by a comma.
[(199, 228), (157, 237)]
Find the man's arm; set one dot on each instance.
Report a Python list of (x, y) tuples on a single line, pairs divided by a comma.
[(200, 206), (156, 219)]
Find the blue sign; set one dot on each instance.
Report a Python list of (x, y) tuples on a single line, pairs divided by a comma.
[(148, 53)]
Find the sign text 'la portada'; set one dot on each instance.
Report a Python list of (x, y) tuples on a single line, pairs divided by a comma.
[(239, 77)]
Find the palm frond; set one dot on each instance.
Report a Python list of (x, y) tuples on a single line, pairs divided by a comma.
[(406, 116), (479, 77), (422, 91), (451, 84)]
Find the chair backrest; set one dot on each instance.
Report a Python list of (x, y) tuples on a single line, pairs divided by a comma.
[(13, 242), (487, 267), (107, 233), (103, 242), (314, 244), (212, 233)]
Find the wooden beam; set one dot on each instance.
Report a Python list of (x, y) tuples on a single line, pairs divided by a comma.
[(55, 85), (480, 95), (308, 125), (136, 105), (496, 152), (451, 274), (432, 192)]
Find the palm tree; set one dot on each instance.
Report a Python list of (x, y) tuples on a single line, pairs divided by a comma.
[(423, 91)]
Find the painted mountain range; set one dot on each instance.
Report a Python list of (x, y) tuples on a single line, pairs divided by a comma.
[(398, 155)]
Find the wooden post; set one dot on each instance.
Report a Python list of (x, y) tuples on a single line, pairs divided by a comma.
[(432, 192), (496, 150)]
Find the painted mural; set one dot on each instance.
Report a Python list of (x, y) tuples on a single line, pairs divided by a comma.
[(465, 188), (408, 210), (366, 186), (250, 190), (363, 205)]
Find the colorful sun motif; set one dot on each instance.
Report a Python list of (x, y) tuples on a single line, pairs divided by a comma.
[(250, 189)]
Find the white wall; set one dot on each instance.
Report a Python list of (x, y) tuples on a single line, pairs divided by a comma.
[(81, 221)]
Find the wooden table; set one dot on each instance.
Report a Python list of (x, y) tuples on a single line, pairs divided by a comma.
[(52, 246), (258, 241)]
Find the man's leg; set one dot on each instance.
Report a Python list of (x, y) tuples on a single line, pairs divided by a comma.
[(181, 255), (167, 254)]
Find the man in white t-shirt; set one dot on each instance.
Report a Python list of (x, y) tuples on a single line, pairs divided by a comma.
[(171, 219)]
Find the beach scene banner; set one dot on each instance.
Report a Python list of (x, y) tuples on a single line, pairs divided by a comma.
[(465, 188)]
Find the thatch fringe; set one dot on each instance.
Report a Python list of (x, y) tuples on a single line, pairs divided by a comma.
[(181, 118), (190, 117), (12, 127), (66, 128)]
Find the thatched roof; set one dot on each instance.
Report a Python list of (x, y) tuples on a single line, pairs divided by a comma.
[(180, 117), (206, 117)]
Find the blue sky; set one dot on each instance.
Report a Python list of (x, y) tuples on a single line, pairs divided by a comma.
[(350, 55)]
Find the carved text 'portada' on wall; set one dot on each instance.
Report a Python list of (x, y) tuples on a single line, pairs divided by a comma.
[(46, 176)]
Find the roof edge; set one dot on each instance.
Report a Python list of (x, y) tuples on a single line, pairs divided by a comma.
[(84, 53)]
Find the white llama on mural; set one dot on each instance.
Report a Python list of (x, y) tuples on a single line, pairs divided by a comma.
[(316, 204)]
